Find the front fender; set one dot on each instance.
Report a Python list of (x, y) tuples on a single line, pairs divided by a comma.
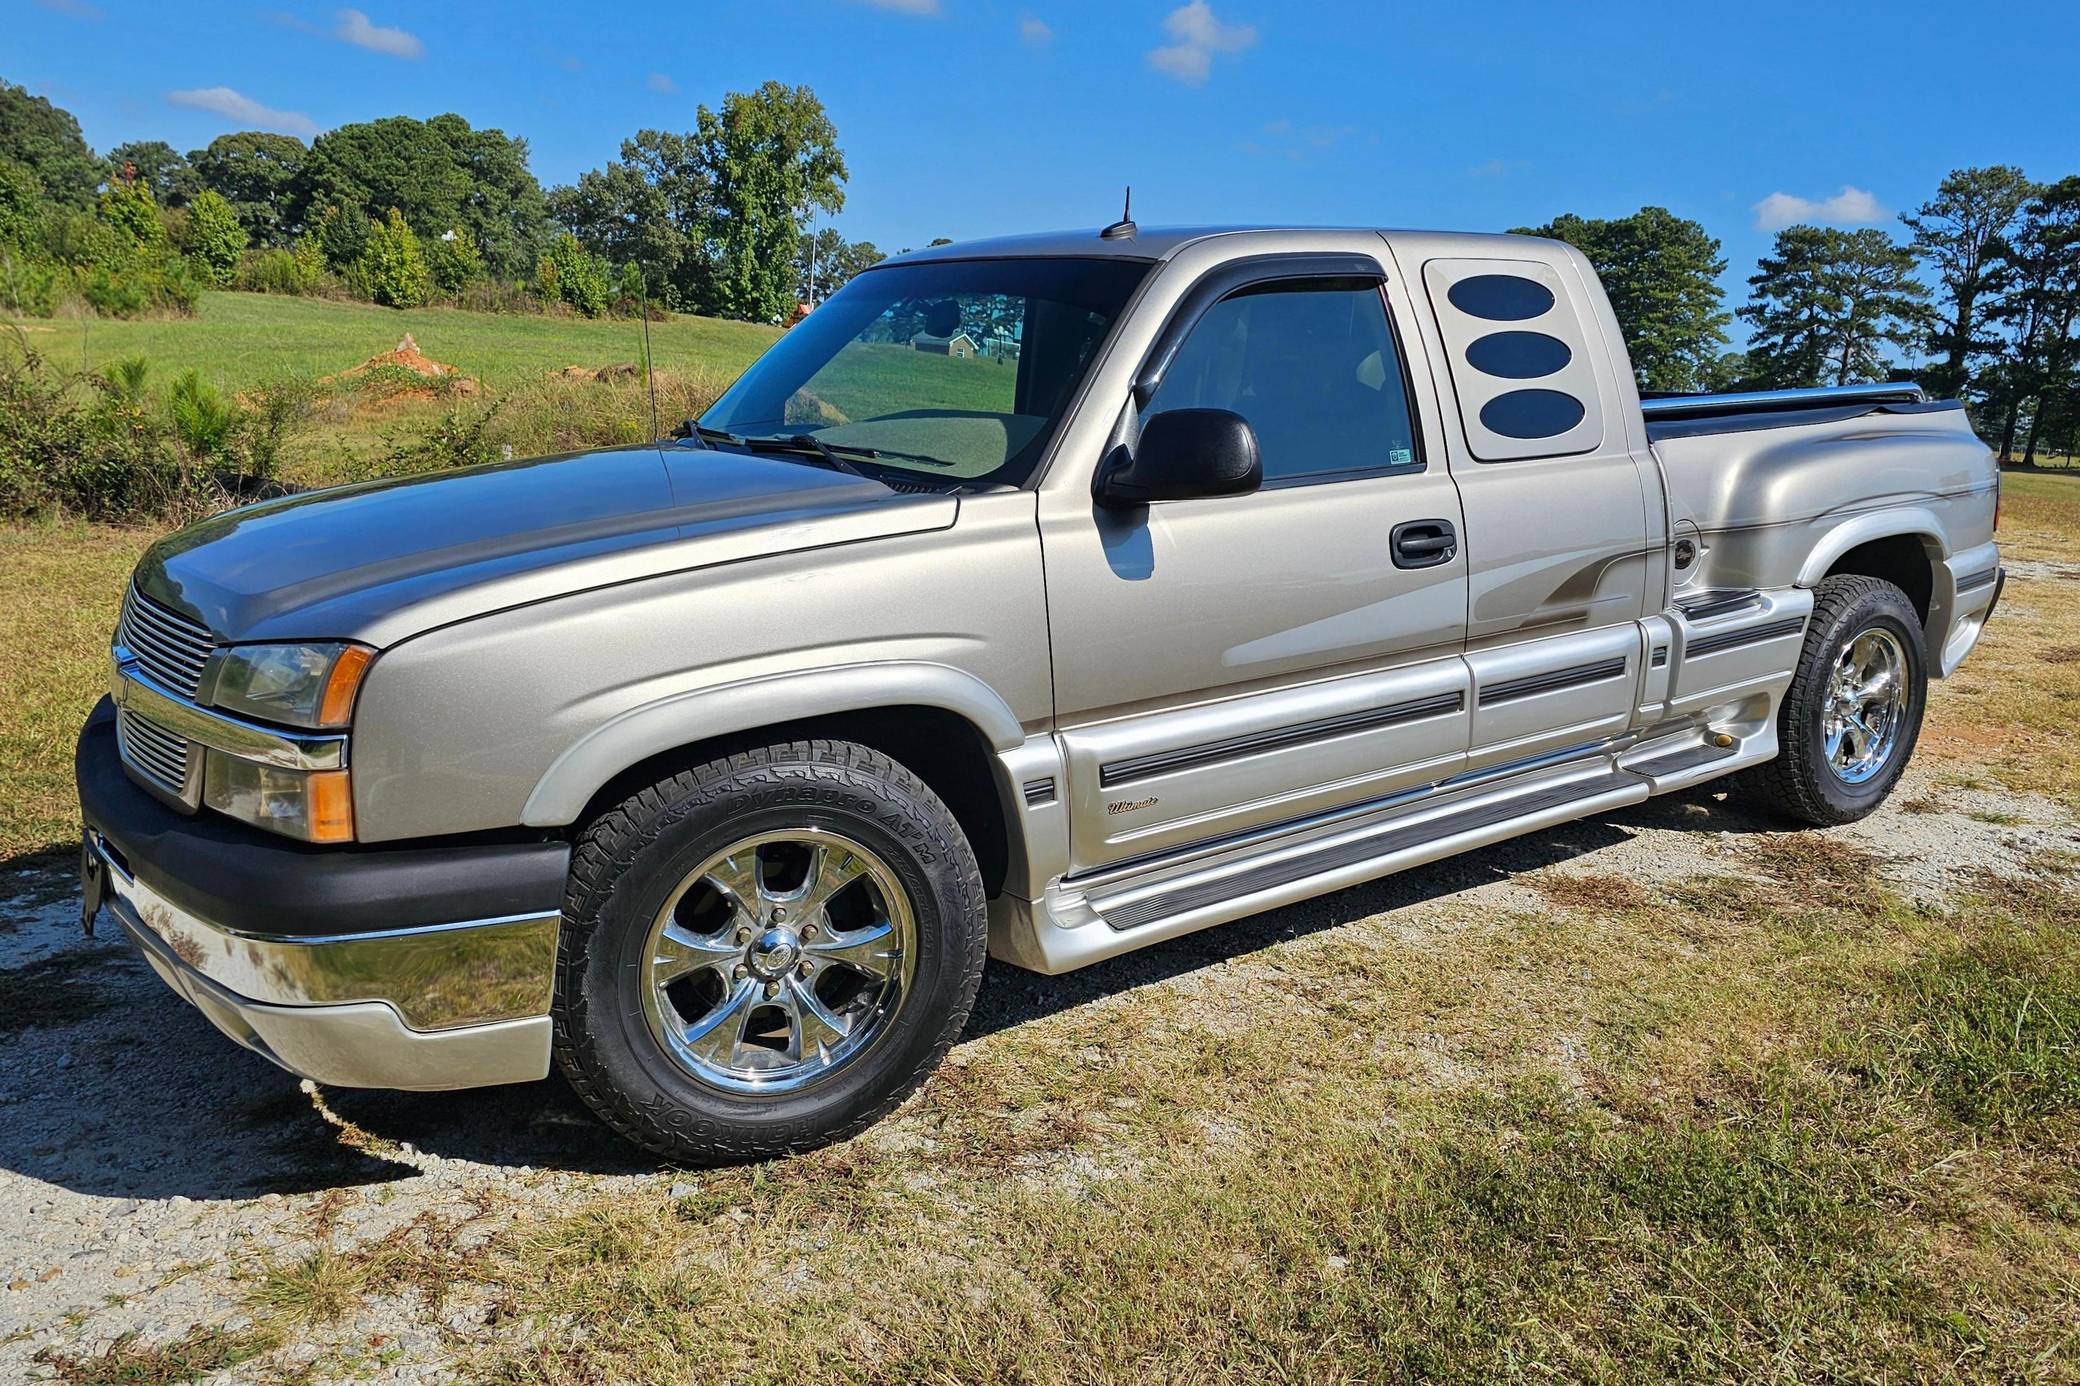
[(684, 718)]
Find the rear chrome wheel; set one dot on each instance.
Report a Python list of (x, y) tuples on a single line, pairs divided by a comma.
[(779, 959), (1865, 698), (1852, 712)]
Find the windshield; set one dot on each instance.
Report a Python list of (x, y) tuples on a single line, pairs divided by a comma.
[(954, 369)]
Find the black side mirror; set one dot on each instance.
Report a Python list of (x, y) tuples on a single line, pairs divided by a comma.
[(1187, 453)]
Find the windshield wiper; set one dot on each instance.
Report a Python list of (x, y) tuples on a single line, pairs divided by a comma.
[(701, 433), (922, 459), (804, 442)]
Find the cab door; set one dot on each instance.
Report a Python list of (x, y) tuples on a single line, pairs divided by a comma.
[(1235, 665), (1562, 529)]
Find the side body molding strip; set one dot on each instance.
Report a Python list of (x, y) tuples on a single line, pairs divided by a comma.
[(1278, 738)]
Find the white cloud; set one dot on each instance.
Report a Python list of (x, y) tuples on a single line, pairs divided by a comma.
[(1195, 37), (244, 109), (661, 83), (356, 28), (1849, 207), (905, 6), (1282, 139), (1034, 31)]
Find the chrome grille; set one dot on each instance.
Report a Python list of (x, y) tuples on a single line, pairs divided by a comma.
[(172, 648), (154, 752)]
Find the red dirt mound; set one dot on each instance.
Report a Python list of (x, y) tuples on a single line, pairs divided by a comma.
[(407, 356)]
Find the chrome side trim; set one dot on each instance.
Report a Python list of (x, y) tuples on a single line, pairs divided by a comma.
[(134, 689), (433, 978)]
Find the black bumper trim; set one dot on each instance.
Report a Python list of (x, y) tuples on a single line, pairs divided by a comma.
[(250, 881)]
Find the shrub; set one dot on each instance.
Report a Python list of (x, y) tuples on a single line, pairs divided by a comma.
[(30, 285), (128, 207), (341, 236), (202, 421), (21, 204), (270, 272), (139, 285), (98, 447), (454, 261), (215, 239), (80, 241), (73, 443), (459, 438), (574, 275), (126, 377), (310, 261), (391, 270)]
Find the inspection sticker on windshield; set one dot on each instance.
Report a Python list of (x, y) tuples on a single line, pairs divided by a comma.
[(1401, 456)]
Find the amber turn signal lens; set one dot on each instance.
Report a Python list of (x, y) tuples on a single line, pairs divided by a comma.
[(331, 795), (337, 707)]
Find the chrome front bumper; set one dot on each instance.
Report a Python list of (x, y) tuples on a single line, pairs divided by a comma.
[(457, 1005)]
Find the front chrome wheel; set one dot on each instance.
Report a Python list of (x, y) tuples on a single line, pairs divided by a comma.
[(1866, 705), (779, 959)]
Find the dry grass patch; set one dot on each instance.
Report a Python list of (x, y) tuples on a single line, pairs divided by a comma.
[(1569, 890), (200, 1352)]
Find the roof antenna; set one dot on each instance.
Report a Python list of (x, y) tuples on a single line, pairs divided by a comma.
[(649, 361), (1124, 228)]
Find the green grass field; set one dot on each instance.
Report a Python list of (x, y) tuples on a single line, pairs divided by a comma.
[(239, 340)]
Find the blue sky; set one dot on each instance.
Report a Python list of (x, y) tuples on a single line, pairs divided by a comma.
[(965, 118)]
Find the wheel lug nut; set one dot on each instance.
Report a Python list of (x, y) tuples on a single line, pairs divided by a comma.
[(740, 972), (772, 990), (805, 968), (744, 934)]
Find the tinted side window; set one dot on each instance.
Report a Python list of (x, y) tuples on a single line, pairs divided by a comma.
[(1313, 369)]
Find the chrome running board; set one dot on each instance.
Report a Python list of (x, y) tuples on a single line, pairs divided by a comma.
[(1084, 920)]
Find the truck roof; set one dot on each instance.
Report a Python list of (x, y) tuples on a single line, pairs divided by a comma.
[(1147, 242)]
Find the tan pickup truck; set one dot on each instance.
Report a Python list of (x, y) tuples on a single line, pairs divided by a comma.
[(1040, 598)]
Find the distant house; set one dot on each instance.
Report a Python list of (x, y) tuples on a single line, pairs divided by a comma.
[(959, 344)]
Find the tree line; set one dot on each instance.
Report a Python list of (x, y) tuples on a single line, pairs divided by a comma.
[(1980, 297), (404, 211), (1979, 300)]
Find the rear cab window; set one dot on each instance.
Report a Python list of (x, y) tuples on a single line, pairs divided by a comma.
[(1519, 359)]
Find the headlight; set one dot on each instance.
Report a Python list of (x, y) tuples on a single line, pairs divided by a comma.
[(315, 805), (298, 685)]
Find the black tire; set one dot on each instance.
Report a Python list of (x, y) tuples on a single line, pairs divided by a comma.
[(626, 866), (1801, 783)]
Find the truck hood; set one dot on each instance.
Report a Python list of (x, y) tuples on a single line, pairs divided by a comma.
[(385, 560)]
